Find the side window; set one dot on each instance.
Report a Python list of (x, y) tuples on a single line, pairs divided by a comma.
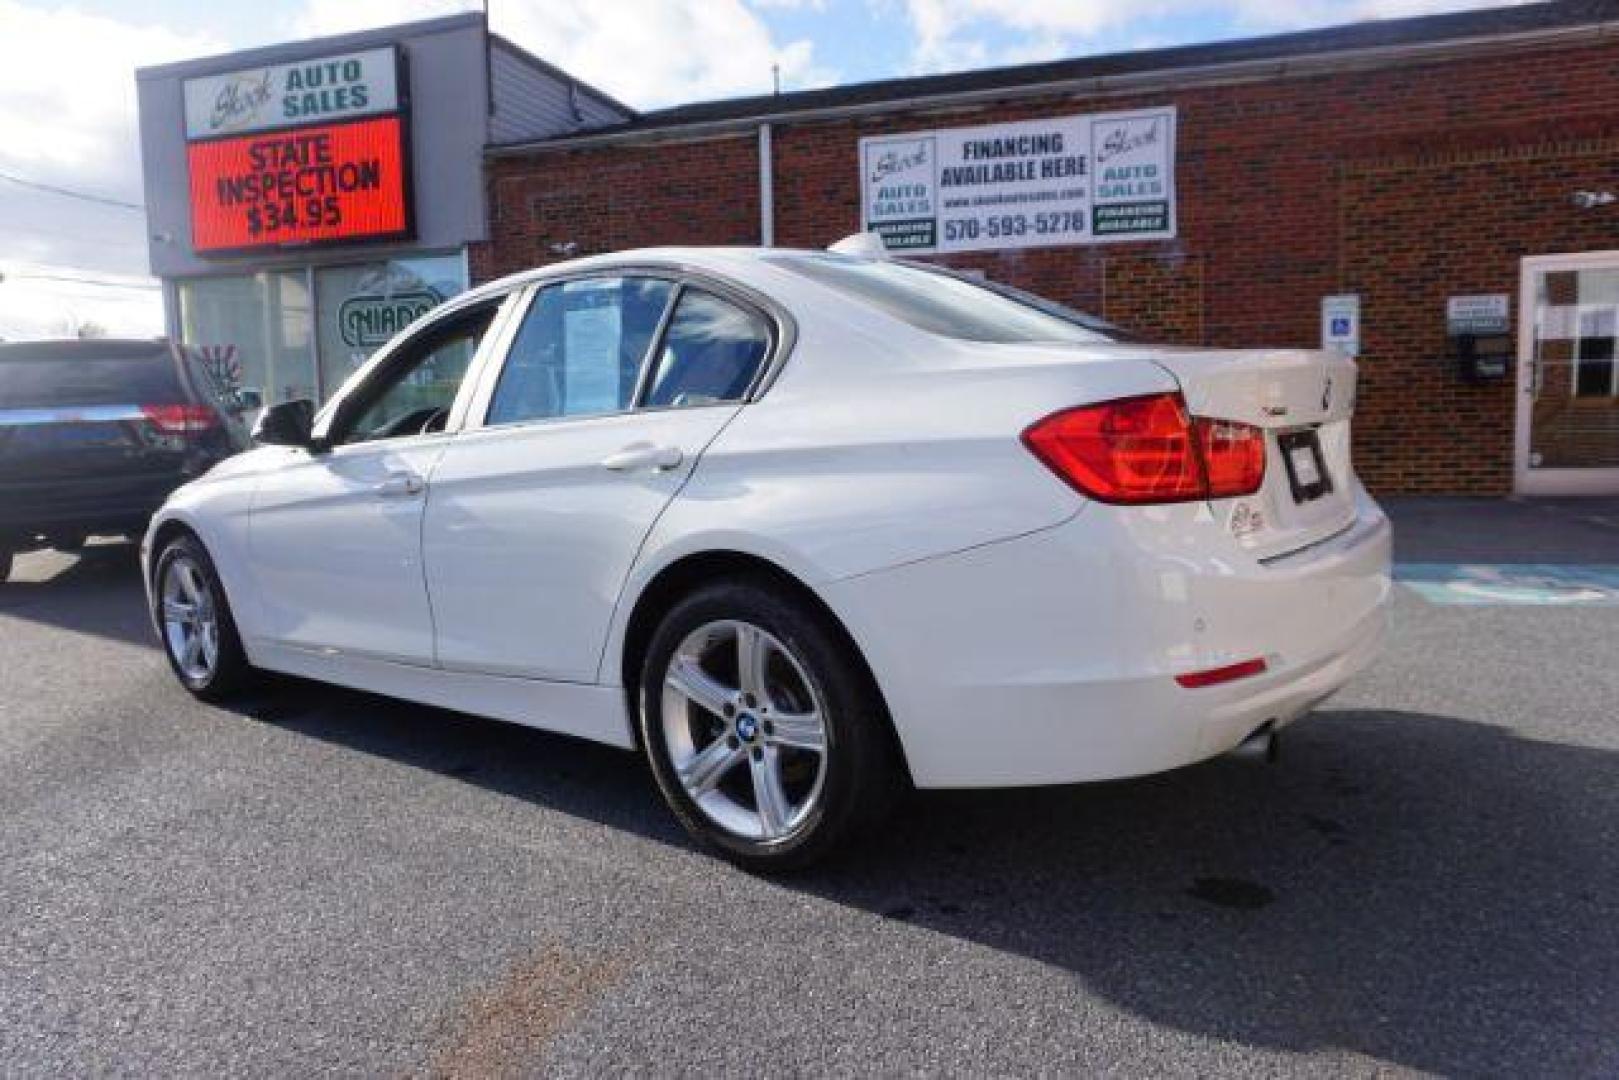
[(711, 353), (414, 392), (580, 349)]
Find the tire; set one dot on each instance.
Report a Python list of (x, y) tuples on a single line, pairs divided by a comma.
[(186, 576), (740, 772), (5, 566)]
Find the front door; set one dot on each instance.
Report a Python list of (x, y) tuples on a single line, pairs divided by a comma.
[(336, 535), (1568, 376)]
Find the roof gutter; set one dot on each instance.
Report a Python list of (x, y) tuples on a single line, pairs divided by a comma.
[(1093, 86)]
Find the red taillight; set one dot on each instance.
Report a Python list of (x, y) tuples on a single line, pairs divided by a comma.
[(1233, 454), (1213, 676), (181, 419), (1134, 450), (1148, 450)]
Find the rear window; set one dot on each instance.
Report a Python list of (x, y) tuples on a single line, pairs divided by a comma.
[(38, 384), (942, 303)]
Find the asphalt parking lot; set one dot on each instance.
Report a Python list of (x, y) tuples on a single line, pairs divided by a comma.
[(329, 881)]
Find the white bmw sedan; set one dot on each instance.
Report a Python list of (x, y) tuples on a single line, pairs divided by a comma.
[(801, 527)]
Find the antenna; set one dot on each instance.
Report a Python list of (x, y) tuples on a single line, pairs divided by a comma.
[(775, 77)]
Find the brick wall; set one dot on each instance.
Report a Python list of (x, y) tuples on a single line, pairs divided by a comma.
[(1405, 185)]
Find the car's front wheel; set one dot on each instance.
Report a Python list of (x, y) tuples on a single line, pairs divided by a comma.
[(766, 735), (194, 619)]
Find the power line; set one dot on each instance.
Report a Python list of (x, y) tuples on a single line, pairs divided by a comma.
[(79, 280), (71, 194), (63, 234)]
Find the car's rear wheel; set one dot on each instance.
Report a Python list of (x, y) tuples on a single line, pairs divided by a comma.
[(766, 736), (194, 620)]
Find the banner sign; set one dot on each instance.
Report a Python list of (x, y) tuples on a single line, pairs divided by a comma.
[(1035, 183), (283, 95), (338, 181)]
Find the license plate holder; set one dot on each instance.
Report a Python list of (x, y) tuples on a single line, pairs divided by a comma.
[(1307, 474)]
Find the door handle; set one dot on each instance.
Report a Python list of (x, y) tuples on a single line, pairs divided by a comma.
[(400, 483), (644, 456)]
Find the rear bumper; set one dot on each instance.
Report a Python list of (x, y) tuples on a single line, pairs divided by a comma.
[(1052, 658), (106, 505)]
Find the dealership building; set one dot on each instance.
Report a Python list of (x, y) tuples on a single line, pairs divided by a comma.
[(306, 201), (1435, 195)]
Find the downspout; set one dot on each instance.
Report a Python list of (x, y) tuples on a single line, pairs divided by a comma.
[(767, 191)]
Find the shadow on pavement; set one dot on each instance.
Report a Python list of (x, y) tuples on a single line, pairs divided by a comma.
[(1572, 531), (1429, 891), (97, 591), (1424, 890)]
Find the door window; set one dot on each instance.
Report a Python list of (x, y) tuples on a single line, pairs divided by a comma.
[(412, 394), (580, 349), (711, 352), (1573, 370), (253, 333)]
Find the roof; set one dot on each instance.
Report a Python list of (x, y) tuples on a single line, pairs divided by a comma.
[(293, 51), (1529, 20)]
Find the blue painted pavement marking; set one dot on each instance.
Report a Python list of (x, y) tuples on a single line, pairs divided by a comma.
[(1532, 584)]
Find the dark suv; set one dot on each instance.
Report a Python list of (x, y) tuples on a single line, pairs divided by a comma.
[(95, 434)]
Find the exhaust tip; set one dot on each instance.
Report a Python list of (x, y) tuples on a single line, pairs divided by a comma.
[(1264, 744)]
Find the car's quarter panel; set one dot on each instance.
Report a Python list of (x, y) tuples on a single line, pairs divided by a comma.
[(530, 533), (335, 545), (899, 466), (1052, 658)]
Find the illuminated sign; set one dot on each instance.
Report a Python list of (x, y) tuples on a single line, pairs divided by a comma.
[(341, 181), (321, 90)]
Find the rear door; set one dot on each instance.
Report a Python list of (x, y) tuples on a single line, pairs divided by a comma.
[(612, 388), (91, 430), (1304, 400)]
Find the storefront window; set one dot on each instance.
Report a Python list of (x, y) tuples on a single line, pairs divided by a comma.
[(253, 332), (361, 307)]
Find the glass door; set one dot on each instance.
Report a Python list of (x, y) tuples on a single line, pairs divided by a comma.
[(1568, 376)]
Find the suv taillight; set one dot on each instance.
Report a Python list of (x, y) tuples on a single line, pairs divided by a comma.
[(1148, 450), (181, 419)]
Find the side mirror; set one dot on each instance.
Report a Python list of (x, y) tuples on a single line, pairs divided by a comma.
[(288, 423)]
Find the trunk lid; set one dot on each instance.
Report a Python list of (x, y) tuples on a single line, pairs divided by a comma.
[(1304, 400)]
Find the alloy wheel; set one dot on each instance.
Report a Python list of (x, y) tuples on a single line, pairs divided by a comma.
[(744, 726), (190, 620)]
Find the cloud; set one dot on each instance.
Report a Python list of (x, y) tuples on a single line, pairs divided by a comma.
[(67, 117), (951, 34), (644, 52)]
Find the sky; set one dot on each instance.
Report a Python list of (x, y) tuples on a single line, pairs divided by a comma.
[(67, 88)]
